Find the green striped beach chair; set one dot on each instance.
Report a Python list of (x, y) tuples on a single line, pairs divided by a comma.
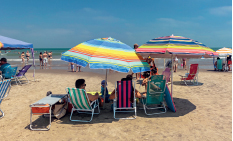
[(80, 102)]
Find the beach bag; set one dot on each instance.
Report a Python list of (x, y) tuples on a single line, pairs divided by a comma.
[(60, 110), (70, 106)]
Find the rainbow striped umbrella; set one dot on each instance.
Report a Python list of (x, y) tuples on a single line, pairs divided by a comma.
[(164, 47), (224, 51), (169, 46), (106, 53)]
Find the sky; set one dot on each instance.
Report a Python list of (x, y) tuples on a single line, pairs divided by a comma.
[(65, 24)]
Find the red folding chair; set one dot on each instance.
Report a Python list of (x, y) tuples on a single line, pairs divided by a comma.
[(192, 75)]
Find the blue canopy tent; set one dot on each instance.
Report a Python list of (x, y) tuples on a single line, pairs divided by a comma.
[(11, 44)]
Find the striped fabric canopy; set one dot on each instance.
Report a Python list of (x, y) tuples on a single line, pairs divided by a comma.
[(106, 53), (181, 46), (10, 44), (224, 51)]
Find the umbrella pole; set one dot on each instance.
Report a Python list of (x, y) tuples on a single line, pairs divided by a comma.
[(33, 57), (172, 77), (163, 64), (105, 88)]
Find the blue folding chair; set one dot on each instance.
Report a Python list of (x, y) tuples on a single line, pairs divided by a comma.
[(5, 87), (6, 74), (22, 72)]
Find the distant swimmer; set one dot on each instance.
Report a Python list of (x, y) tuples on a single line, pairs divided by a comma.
[(50, 55)]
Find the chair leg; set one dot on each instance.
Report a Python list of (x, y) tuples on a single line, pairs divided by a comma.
[(146, 108), (98, 106), (2, 114), (18, 80), (114, 111), (41, 129), (135, 111), (26, 78), (184, 82), (92, 113)]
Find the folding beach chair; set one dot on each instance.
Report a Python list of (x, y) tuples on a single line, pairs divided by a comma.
[(13, 73), (5, 87), (10, 73), (7, 74), (22, 72), (155, 95), (219, 64), (80, 102), (122, 102), (192, 75)]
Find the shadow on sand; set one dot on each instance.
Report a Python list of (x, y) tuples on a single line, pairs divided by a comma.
[(181, 83), (13, 82), (183, 107)]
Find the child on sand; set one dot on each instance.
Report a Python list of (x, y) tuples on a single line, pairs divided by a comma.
[(102, 91), (72, 67)]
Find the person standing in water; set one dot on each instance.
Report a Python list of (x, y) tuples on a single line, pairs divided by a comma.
[(45, 59), (27, 56), (50, 55), (22, 57), (41, 59)]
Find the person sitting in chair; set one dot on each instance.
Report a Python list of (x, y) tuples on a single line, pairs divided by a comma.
[(4, 66), (153, 72), (229, 62), (137, 93), (80, 84), (215, 64)]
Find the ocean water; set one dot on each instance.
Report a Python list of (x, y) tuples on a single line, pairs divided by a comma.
[(13, 57)]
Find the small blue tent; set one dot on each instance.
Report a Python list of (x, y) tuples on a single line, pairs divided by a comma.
[(11, 44)]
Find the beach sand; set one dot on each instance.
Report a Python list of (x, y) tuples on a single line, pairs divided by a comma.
[(204, 112)]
